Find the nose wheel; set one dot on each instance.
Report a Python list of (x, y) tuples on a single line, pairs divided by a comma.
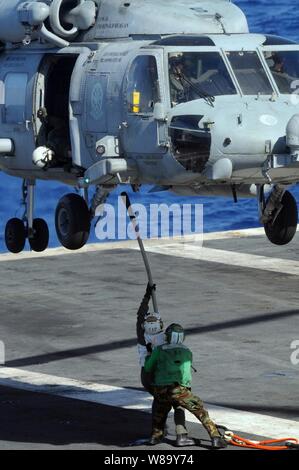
[(35, 230)]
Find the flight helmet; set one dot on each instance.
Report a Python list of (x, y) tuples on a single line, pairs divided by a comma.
[(153, 324), (175, 334)]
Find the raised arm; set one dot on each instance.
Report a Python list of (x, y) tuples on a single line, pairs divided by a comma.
[(141, 314)]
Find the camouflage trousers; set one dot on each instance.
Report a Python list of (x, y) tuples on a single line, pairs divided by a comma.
[(179, 412), (177, 395)]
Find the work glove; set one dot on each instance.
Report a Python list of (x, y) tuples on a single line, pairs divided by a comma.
[(149, 290)]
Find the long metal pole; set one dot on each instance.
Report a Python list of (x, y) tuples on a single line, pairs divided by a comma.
[(134, 222)]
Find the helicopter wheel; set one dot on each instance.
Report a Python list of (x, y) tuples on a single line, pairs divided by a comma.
[(284, 227), (15, 235), (72, 221), (40, 239)]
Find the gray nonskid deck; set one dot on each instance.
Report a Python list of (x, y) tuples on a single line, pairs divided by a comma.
[(73, 316)]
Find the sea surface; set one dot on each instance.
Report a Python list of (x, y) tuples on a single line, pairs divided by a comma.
[(273, 17)]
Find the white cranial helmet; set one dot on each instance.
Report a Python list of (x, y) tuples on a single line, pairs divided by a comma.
[(153, 324), (42, 156)]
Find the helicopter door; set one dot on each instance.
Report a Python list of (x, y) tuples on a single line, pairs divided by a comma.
[(140, 135)]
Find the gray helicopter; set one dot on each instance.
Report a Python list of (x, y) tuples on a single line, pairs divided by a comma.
[(172, 93)]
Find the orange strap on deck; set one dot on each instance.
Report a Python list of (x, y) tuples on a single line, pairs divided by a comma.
[(271, 444)]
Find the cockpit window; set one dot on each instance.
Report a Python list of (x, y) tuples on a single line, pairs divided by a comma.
[(284, 66), (194, 75), (250, 73)]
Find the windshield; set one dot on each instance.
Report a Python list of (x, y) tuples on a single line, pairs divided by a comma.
[(194, 75), (250, 73), (284, 66)]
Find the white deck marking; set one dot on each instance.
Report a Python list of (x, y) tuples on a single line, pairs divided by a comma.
[(247, 422), (127, 244), (232, 258), (192, 249)]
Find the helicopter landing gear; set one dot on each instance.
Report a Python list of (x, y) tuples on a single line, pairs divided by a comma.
[(39, 239), (36, 230), (15, 235), (279, 215), (72, 221)]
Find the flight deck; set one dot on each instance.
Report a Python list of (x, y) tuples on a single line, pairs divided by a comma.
[(71, 375)]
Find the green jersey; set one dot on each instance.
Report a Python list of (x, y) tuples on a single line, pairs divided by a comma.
[(169, 364)]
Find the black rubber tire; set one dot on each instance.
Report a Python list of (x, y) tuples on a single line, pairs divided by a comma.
[(40, 240), (15, 235), (285, 226), (72, 221)]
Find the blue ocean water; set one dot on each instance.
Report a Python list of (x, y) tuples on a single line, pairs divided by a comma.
[(275, 17)]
